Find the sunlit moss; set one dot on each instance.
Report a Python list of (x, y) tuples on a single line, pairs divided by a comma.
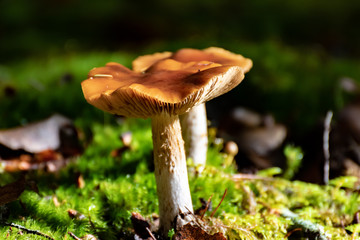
[(116, 186), (251, 208)]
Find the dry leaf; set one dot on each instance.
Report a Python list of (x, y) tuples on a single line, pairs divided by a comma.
[(47, 144), (117, 153), (12, 191), (189, 232), (140, 225), (75, 214), (48, 160), (80, 181)]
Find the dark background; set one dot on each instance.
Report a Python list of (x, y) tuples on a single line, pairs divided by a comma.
[(300, 49), (32, 27)]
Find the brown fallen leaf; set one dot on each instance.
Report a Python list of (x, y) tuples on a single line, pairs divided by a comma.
[(75, 214), (141, 225), (47, 160), (117, 153), (46, 155), (12, 191), (80, 182), (190, 232)]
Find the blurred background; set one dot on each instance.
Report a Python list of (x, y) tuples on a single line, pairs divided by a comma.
[(305, 54), (39, 26)]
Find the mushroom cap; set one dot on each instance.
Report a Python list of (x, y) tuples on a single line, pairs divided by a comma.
[(140, 64), (212, 54), (167, 86)]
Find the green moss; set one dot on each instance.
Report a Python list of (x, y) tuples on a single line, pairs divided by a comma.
[(250, 210), (116, 186)]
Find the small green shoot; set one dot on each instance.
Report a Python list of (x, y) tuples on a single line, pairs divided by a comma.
[(171, 233), (269, 172), (294, 156)]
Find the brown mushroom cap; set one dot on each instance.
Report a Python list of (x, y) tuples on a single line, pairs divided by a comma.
[(140, 64), (168, 86), (212, 54)]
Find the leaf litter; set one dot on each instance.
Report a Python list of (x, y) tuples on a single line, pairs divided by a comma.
[(47, 145)]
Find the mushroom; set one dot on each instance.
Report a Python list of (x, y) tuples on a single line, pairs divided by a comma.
[(194, 122), (164, 91)]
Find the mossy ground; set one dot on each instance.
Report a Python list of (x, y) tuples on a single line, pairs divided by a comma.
[(116, 186)]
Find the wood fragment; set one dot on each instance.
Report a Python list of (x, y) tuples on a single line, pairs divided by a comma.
[(28, 231), (291, 232), (150, 233), (244, 176), (74, 236)]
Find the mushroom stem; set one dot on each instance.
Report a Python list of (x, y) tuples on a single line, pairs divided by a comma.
[(194, 128), (170, 169)]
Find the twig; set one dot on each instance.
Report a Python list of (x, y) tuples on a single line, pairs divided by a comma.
[(291, 232), (74, 236), (326, 135), (222, 199), (150, 233), (244, 176), (206, 207), (29, 231)]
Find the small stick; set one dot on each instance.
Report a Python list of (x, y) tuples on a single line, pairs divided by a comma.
[(291, 232), (150, 233), (222, 199), (326, 135), (245, 176), (74, 236), (29, 231), (206, 207)]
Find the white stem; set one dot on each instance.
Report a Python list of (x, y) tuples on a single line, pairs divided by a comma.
[(194, 130), (170, 170)]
